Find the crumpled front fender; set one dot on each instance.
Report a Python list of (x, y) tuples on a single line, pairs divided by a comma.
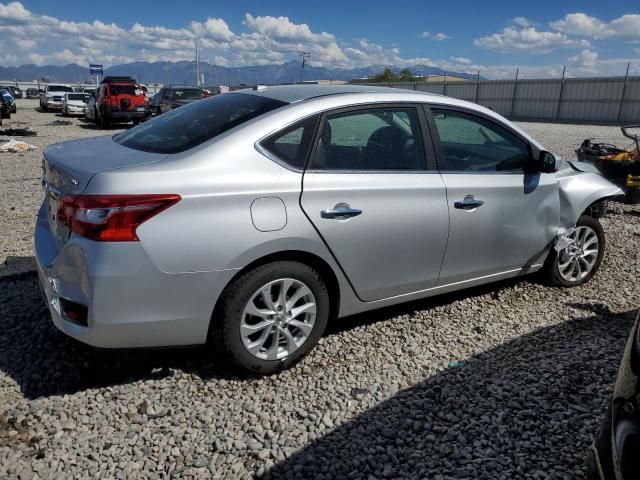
[(578, 191)]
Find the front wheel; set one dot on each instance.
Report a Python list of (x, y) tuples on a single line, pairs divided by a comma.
[(272, 316), (580, 259)]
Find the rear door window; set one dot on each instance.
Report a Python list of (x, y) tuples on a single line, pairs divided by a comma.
[(375, 139)]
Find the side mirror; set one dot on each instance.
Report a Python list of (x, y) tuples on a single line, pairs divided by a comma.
[(547, 162)]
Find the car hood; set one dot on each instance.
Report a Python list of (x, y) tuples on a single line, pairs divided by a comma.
[(69, 166)]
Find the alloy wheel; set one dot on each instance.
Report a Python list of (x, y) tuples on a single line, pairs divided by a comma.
[(278, 319), (578, 259)]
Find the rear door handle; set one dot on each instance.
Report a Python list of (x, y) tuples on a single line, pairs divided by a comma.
[(469, 203), (341, 211)]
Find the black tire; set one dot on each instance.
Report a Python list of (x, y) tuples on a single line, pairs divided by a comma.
[(551, 271), (136, 121), (225, 331)]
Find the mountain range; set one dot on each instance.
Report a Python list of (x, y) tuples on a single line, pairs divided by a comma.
[(184, 73)]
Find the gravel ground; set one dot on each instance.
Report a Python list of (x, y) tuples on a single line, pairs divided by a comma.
[(504, 381)]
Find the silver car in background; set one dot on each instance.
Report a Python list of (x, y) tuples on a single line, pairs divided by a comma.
[(250, 219)]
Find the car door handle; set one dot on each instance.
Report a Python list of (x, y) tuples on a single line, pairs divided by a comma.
[(469, 203), (341, 211)]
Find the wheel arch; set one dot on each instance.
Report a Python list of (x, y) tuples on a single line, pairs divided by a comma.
[(318, 263), (579, 194)]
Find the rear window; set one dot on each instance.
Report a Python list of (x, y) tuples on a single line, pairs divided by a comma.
[(184, 93), (59, 88), (125, 89), (195, 123), (78, 96)]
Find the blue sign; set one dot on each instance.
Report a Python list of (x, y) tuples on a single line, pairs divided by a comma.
[(95, 69)]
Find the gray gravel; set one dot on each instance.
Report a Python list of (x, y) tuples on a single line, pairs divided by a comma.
[(504, 381)]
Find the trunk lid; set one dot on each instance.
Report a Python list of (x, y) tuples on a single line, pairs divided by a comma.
[(68, 167)]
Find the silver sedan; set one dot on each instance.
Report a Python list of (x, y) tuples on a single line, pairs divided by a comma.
[(250, 219)]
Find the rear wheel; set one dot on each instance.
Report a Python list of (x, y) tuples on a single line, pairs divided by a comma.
[(272, 316), (580, 259)]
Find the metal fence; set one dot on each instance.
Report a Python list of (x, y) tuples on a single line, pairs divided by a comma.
[(606, 100)]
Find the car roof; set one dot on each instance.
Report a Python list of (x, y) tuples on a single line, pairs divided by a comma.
[(298, 93)]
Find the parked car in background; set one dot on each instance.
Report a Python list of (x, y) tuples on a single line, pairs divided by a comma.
[(118, 99), (32, 93), (9, 100), (52, 96), (13, 90), (74, 103), (4, 109), (250, 218), (615, 454), (172, 97)]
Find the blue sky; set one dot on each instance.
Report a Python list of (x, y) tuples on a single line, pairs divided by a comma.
[(591, 38)]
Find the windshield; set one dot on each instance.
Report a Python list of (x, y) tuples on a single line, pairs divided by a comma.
[(60, 88), (184, 93), (195, 123), (78, 96)]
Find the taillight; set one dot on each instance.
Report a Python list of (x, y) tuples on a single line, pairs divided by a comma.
[(111, 218)]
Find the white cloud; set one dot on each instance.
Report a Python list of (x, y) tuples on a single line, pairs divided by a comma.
[(462, 60), (13, 12), (438, 37), (513, 39), (521, 22), (584, 25), (281, 28), (214, 28), (586, 58), (37, 59)]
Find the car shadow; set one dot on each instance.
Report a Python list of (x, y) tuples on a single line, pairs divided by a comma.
[(526, 409), (30, 343)]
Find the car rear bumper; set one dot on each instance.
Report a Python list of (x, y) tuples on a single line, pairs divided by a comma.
[(126, 115), (130, 302), (74, 109)]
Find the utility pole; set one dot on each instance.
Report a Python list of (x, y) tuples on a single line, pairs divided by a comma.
[(304, 56), (564, 70), (513, 93), (197, 66), (624, 91)]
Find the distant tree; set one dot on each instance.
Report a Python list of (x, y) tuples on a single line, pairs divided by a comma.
[(44, 79), (406, 75), (386, 76)]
